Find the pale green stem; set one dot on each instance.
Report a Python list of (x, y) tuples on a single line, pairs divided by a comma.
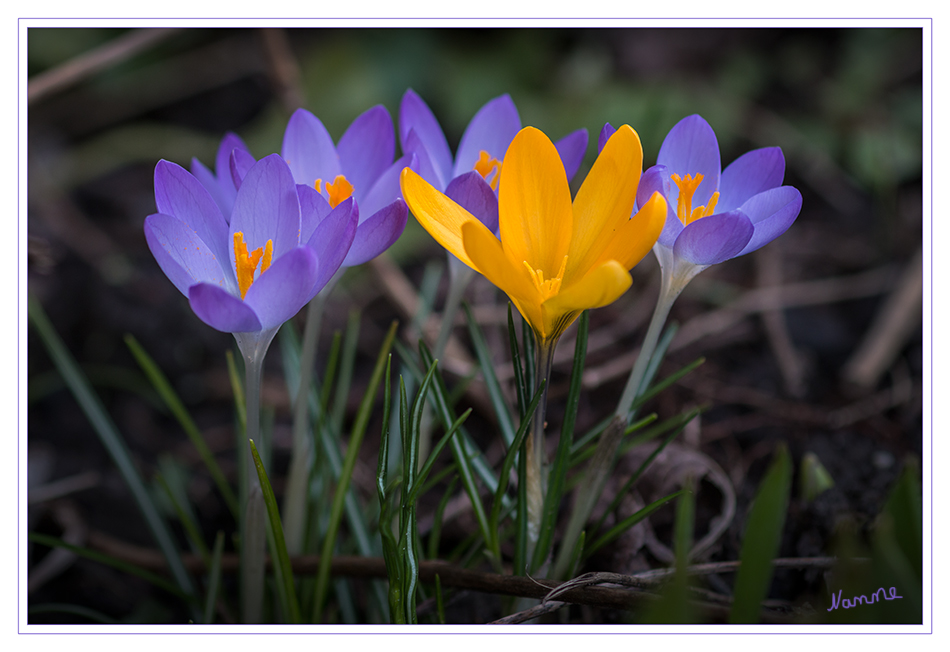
[(253, 531), (536, 479)]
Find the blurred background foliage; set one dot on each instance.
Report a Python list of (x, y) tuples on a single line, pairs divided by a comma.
[(845, 106)]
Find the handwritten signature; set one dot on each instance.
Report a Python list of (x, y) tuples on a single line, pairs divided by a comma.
[(848, 603)]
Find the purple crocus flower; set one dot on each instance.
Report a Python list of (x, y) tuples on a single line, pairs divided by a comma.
[(360, 165), (714, 214), (221, 183), (471, 178), (248, 276)]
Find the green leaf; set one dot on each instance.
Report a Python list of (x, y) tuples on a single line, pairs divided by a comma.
[(763, 535), (495, 394), (346, 473), (673, 607), (629, 522), (815, 478), (113, 442), (904, 508), (214, 578), (282, 568), (177, 408)]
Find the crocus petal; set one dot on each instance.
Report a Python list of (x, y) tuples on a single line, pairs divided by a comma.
[(308, 149), (181, 254), (181, 195), (313, 210), (771, 213), (691, 148), (216, 189), (414, 115), (222, 310), (713, 239), (490, 130), (222, 160), (386, 188), (266, 208), (424, 165), (284, 288), (241, 162), (571, 149), (438, 214), (366, 149), (602, 286), (635, 237), (750, 174), (604, 136), (490, 259), (657, 180), (604, 201), (534, 203), (331, 241), (471, 192), (378, 233)]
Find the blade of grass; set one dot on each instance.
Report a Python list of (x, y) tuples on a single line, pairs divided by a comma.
[(763, 535), (347, 361), (628, 523), (170, 397), (559, 468), (349, 463), (113, 442), (419, 484), (282, 567), (107, 560), (520, 387), (214, 578), (491, 380)]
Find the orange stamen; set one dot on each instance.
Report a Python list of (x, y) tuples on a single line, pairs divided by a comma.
[(546, 288), (684, 207), (485, 165), (338, 191), (246, 261)]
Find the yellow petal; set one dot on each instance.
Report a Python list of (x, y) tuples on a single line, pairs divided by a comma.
[(488, 256), (438, 214), (534, 203), (636, 237), (605, 200), (602, 286)]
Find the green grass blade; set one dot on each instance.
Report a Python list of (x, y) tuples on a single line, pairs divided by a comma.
[(628, 523), (282, 567), (214, 578), (562, 458), (170, 397), (419, 483), (499, 405), (186, 520), (107, 560), (666, 382), (112, 440), (347, 362), (674, 607), (520, 387), (763, 535), (346, 473)]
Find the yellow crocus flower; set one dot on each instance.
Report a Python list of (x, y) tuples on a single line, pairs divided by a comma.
[(554, 258)]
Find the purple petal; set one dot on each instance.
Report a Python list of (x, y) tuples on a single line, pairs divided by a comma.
[(386, 189), (750, 174), (605, 135), (241, 163), (181, 195), (375, 235), (424, 164), (308, 149), (471, 192), (491, 130), (657, 179), (691, 148), (215, 188), (281, 291), (222, 310), (572, 149), (266, 208), (713, 239), (182, 255), (313, 209), (222, 161), (367, 149), (771, 212), (415, 115), (331, 241)]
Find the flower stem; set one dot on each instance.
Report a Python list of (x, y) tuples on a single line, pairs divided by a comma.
[(534, 446)]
